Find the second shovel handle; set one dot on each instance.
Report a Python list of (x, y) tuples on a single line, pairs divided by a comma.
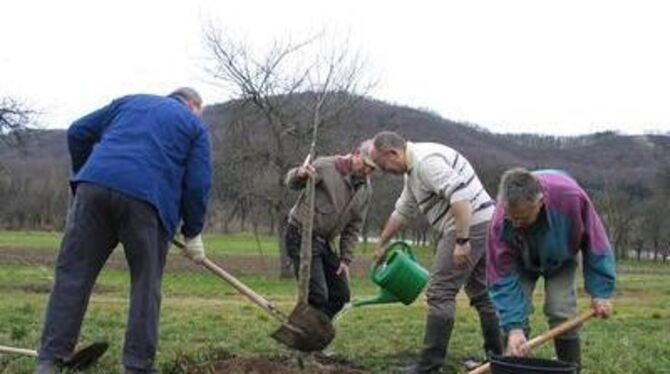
[(19, 351), (560, 329), (541, 339)]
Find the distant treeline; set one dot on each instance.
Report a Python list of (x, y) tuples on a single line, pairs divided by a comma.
[(628, 177)]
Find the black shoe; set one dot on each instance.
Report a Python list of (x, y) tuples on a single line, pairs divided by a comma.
[(471, 363)]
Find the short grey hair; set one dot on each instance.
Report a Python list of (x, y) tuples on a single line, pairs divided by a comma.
[(187, 94), (518, 184), (389, 139), (365, 150)]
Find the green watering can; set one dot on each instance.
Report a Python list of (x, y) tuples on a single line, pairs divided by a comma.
[(401, 277)]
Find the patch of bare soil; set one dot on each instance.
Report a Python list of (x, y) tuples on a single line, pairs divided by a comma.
[(284, 365), (223, 362)]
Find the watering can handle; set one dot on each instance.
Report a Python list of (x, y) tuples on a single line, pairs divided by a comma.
[(406, 247), (403, 247)]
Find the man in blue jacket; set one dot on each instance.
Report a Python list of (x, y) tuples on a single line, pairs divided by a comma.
[(140, 166)]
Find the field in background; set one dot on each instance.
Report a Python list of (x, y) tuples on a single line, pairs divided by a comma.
[(202, 315)]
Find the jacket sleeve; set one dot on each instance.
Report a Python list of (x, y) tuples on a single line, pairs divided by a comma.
[(293, 182), (597, 254), (196, 185), (85, 132), (503, 277), (352, 231)]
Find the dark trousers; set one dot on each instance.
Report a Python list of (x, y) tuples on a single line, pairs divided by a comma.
[(98, 220), (328, 291)]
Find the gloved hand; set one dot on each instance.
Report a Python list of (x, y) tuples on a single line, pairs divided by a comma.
[(194, 248)]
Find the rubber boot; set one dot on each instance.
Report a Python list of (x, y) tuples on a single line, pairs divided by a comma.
[(127, 370), (46, 367), (491, 333), (569, 350), (435, 343)]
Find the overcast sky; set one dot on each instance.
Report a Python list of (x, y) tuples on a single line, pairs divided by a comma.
[(560, 67)]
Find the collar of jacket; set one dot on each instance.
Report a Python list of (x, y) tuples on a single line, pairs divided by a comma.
[(541, 225), (179, 99), (409, 156), (343, 166)]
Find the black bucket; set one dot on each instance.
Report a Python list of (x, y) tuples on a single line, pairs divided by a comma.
[(529, 365)]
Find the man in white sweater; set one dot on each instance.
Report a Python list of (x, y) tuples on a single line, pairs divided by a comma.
[(441, 184)]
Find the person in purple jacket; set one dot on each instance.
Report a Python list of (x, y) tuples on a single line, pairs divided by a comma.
[(140, 166), (543, 221)]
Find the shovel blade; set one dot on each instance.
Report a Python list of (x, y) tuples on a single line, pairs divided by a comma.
[(307, 330), (85, 357)]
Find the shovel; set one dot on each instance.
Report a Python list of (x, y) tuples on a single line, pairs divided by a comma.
[(303, 330), (305, 316), (539, 340), (81, 360)]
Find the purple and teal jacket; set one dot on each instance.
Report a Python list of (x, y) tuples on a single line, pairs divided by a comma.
[(567, 224)]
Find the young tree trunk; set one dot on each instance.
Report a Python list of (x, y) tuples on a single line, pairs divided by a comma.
[(285, 269)]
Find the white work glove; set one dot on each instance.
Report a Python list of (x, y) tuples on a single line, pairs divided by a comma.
[(194, 248)]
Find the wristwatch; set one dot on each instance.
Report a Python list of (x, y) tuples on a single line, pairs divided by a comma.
[(461, 241)]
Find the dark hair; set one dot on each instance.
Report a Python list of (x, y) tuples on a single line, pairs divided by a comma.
[(389, 139)]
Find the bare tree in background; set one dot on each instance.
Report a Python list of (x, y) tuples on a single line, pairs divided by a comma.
[(281, 94), (15, 120), (656, 227), (619, 215)]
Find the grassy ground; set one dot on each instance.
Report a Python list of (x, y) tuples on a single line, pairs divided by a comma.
[(224, 244), (201, 315), (234, 244)]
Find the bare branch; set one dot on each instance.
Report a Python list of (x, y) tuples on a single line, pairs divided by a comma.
[(15, 120)]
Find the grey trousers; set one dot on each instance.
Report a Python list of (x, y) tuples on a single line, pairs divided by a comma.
[(446, 279), (560, 300), (328, 291), (98, 220)]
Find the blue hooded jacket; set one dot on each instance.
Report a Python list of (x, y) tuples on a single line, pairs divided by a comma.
[(152, 148)]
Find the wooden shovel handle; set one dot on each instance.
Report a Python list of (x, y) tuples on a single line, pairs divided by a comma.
[(19, 351), (264, 303), (560, 329), (548, 335), (241, 287)]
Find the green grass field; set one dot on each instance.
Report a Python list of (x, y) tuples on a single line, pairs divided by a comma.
[(233, 244), (201, 315), (223, 244)]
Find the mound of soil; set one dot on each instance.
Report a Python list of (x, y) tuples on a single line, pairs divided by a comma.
[(282, 365), (219, 362)]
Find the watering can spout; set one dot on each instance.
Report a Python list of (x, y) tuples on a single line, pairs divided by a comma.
[(384, 297)]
